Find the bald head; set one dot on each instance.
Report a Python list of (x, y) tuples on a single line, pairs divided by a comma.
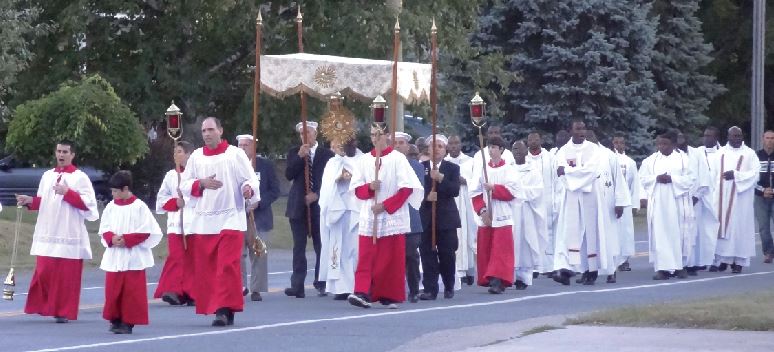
[(735, 137), (519, 150)]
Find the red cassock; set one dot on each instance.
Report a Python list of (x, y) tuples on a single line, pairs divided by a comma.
[(495, 244)]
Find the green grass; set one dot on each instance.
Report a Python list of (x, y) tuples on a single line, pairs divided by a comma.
[(751, 311), (280, 239)]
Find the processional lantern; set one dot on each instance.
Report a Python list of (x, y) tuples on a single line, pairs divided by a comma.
[(477, 110), (174, 123), (378, 110)]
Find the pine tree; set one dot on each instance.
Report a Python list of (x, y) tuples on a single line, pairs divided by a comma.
[(679, 57), (569, 59)]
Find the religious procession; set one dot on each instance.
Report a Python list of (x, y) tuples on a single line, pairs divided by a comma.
[(407, 221)]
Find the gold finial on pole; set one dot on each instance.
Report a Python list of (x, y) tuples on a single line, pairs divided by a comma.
[(434, 29), (397, 24), (299, 17), (259, 20)]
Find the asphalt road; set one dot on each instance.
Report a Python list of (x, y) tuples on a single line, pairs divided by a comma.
[(321, 324)]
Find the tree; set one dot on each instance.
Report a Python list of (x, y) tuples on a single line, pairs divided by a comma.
[(89, 113), (199, 52), (679, 58), (16, 38), (562, 59)]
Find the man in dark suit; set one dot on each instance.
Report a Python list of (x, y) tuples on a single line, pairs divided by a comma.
[(301, 202), (414, 237), (264, 221), (439, 260)]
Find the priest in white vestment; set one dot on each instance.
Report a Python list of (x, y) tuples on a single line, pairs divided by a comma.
[(65, 199), (737, 167), (543, 162), (339, 212), (706, 209), (466, 234), (529, 217), (583, 225), (625, 224), (667, 178), (705, 226)]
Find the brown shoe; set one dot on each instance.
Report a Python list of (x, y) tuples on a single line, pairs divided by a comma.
[(769, 259)]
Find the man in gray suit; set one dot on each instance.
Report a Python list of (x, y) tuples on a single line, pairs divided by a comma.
[(264, 221)]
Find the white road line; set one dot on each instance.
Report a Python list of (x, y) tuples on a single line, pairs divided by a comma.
[(156, 283), (388, 313)]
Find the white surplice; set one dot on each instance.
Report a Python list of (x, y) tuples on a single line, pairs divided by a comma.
[(339, 212), (467, 233), (625, 224), (222, 208), (670, 209), (134, 218), (705, 210), (167, 191), (528, 221), (616, 194), (544, 163), (581, 243), (736, 235), (60, 230), (395, 173)]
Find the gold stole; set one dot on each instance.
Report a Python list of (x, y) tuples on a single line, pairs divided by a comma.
[(723, 228)]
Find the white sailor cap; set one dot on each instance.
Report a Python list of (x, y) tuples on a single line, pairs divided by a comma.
[(309, 124), (438, 138), (245, 136), (403, 135)]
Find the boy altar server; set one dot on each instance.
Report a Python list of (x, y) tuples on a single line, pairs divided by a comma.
[(129, 231)]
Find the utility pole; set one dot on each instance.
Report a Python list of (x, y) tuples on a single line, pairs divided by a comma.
[(395, 7), (757, 112)]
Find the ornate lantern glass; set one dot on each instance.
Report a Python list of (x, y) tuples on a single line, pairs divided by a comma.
[(173, 116), (477, 109), (378, 108)]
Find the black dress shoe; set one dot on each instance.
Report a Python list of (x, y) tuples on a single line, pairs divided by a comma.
[(448, 294), (60, 320), (591, 277), (114, 325), (713, 268), (563, 277), (427, 296), (340, 297), (681, 274), (412, 297), (294, 292), (467, 279), (520, 285), (123, 328), (736, 269), (611, 279), (661, 275), (256, 296), (722, 267), (692, 271), (496, 286), (535, 275), (221, 317), (321, 291), (624, 266), (245, 291), (172, 298), (583, 278)]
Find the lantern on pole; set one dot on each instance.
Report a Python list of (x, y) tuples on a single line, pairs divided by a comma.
[(477, 111), (174, 123), (378, 110)]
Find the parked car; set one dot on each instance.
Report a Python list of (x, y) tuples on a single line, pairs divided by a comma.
[(18, 177)]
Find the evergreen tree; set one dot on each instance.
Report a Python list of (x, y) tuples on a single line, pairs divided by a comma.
[(679, 57), (566, 59)]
